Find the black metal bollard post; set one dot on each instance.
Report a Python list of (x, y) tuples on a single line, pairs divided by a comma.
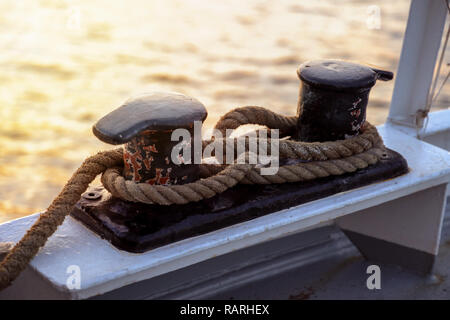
[(333, 98), (145, 124)]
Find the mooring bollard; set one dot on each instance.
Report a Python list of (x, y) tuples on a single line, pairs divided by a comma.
[(145, 125), (332, 106), (333, 98)]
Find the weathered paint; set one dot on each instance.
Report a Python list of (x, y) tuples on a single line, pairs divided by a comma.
[(145, 124), (333, 98), (147, 159)]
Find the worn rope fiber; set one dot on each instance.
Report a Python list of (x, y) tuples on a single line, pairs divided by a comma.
[(307, 151), (229, 176), (22, 253), (302, 171), (256, 115), (201, 189), (310, 161)]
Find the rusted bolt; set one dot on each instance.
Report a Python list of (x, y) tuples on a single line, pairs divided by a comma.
[(145, 125), (333, 98)]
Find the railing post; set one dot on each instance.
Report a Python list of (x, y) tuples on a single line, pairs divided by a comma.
[(417, 61)]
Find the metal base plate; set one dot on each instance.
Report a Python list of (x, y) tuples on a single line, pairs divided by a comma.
[(138, 227)]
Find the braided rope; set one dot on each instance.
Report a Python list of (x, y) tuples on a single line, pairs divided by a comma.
[(173, 194), (327, 158), (221, 177), (305, 170), (22, 253), (307, 151), (256, 115), (315, 169)]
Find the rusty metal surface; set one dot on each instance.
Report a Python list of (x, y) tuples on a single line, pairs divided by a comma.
[(145, 124), (147, 159)]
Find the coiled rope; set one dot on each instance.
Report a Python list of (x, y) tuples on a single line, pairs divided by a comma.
[(320, 159)]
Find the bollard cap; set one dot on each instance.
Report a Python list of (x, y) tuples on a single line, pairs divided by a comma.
[(153, 111), (340, 75)]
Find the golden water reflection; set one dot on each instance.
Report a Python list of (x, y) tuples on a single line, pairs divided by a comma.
[(67, 63)]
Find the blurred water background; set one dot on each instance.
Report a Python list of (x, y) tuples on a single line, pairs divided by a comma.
[(65, 64)]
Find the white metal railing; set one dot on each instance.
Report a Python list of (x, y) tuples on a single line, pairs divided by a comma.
[(420, 48)]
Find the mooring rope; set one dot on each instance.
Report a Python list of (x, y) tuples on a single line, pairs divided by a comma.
[(115, 183), (19, 257), (256, 115), (323, 159), (308, 151)]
